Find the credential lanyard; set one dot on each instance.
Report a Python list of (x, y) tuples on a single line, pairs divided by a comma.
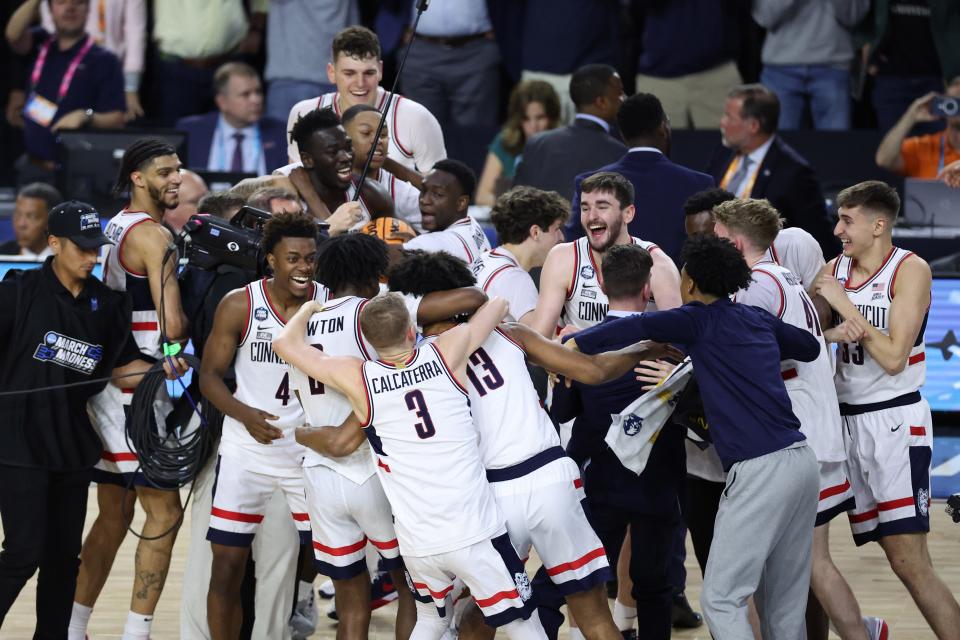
[(71, 69)]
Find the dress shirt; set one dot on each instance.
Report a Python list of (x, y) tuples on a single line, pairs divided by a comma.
[(453, 18), (223, 146), (756, 158)]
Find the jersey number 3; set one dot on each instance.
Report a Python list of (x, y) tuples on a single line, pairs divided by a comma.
[(417, 403)]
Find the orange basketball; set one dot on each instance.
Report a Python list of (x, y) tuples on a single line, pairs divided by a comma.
[(390, 230)]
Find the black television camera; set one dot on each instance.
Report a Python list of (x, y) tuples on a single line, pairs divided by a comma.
[(211, 242)]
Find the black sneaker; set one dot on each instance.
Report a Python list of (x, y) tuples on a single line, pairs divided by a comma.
[(684, 617)]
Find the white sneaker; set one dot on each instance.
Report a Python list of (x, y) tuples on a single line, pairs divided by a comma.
[(877, 628), (326, 590), (303, 622)]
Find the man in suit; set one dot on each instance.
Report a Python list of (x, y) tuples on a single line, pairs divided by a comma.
[(552, 159), (661, 186), (755, 163), (236, 137)]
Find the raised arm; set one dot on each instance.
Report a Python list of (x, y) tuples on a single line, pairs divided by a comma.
[(342, 373), (18, 27), (458, 343), (911, 300), (665, 281), (554, 280), (588, 369)]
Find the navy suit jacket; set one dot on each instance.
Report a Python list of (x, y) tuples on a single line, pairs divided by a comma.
[(200, 130), (661, 187), (653, 492), (789, 183), (552, 159)]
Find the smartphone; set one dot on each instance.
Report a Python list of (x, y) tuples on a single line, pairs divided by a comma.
[(945, 106)]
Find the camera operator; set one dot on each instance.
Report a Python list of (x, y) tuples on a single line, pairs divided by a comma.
[(923, 156), (58, 325)]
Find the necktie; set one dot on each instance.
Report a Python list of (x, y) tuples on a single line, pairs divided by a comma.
[(736, 180), (237, 164)]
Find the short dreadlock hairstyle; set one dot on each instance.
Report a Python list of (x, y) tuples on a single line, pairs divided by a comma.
[(351, 258), (421, 272), (715, 265), (286, 225), (136, 157)]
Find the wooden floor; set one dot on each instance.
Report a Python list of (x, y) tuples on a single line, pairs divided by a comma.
[(879, 591)]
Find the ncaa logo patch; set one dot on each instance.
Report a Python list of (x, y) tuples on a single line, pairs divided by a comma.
[(923, 502), (68, 352), (632, 425), (260, 314), (587, 272), (523, 585)]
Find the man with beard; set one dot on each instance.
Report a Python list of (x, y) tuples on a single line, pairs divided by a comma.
[(571, 287), (150, 172)]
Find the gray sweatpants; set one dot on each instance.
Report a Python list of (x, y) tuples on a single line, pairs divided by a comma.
[(761, 546)]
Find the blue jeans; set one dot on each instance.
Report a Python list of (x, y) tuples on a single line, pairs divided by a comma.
[(282, 94), (824, 89), (892, 95)]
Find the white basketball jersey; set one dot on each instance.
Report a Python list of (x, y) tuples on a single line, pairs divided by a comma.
[(499, 274), (809, 384), (586, 303), (799, 252), (144, 323), (425, 442), (464, 239), (405, 196), (263, 382), (859, 379), (336, 331)]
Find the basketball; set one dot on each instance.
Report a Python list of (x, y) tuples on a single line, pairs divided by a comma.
[(390, 230)]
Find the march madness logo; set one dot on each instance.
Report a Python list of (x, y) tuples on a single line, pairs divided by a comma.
[(69, 352)]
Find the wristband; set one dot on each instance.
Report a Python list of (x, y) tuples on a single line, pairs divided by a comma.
[(171, 349)]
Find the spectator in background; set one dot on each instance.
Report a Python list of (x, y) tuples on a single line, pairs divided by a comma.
[(275, 200), (534, 107), (295, 72), (236, 137), (755, 163), (923, 156), (911, 47), (552, 159), (30, 212), (806, 58), (119, 26), (453, 68), (689, 78), (660, 186), (193, 39), (416, 140), (559, 36), (192, 189), (73, 82)]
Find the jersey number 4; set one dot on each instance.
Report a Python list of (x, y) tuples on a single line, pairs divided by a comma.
[(283, 391)]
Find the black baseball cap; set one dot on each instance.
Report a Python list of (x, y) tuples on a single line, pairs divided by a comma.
[(79, 222)]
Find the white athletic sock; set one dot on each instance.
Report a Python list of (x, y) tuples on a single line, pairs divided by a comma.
[(576, 634), (79, 619), (137, 627), (304, 590), (624, 617)]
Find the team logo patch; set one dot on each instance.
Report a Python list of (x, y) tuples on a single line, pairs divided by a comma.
[(260, 313), (68, 352), (587, 272), (632, 424), (923, 502), (523, 585)]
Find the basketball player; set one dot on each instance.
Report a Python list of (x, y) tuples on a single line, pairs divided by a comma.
[(258, 452), (882, 295), (752, 225), (150, 173), (344, 497), (537, 487), (360, 122), (416, 140), (416, 413), (762, 541), (571, 289), (529, 223), (446, 196)]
